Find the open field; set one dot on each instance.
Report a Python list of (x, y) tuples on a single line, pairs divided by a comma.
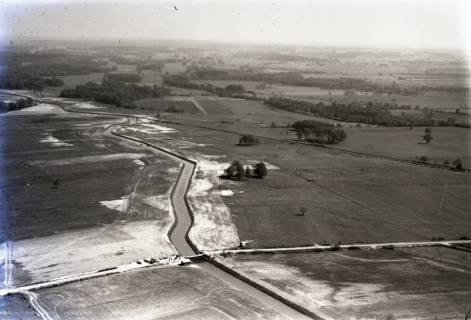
[(15, 307), (348, 198), (150, 78), (163, 105), (448, 143), (454, 258), (110, 204), (161, 293), (363, 284)]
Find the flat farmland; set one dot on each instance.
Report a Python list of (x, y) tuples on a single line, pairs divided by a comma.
[(363, 284), (448, 143), (161, 293), (150, 78), (348, 198), (75, 199), (453, 258), (243, 112)]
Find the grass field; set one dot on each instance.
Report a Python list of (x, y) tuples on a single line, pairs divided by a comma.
[(109, 206), (163, 293), (348, 198), (448, 143), (150, 78), (366, 284)]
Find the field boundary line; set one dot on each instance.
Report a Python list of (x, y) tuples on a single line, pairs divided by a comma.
[(334, 247), (166, 262), (371, 155)]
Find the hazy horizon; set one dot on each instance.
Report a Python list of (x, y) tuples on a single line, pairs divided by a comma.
[(362, 24)]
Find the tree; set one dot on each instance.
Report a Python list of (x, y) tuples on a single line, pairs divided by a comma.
[(230, 171), (302, 211), (248, 172), (248, 140), (235, 170), (428, 135), (55, 183), (299, 133), (260, 170), (423, 159), (239, 173), (458, 165)]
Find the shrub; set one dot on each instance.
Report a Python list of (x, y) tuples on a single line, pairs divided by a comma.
[(248, 140), (260, 170), (458, 165), (423, 159)]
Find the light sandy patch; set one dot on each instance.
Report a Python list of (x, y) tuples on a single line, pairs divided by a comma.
[(118, 205), (161, 202), (149, 128), (268, 165), (318, 296), (93, 249), (213, 227), (49, 139), (210, 157), (139, 162), (41, 108), (88, 159), (86, 105), (224, 193)]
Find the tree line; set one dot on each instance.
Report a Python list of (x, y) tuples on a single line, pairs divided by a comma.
[(376, 114), (293, 78), (319, 132), (183, 81), (117, 93), (34, 71)]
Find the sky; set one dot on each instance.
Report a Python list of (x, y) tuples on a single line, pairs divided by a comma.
[(364, 23)]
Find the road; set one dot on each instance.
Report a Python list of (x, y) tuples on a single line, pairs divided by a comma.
[(183, 222)]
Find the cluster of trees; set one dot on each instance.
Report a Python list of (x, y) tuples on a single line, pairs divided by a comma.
[(455, 164), (237, 171), (16, 105), (117, 93), (371, 113), (182, 81), (26, 70), (248, 140), (319, 132)]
